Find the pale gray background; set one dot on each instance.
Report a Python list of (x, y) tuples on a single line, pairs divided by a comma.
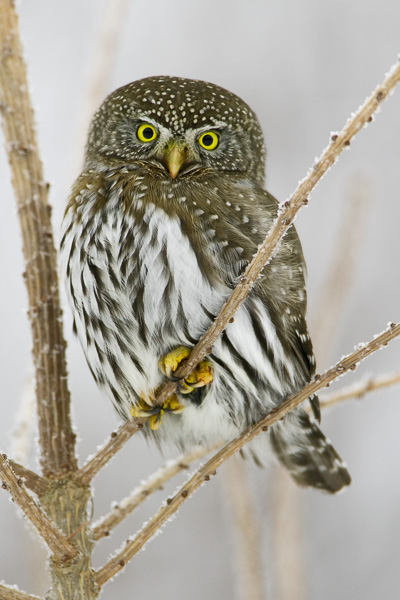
[(303, 66)]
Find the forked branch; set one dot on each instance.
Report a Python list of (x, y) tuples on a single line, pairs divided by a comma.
[(32, 480), (131, 547), (60, 547)]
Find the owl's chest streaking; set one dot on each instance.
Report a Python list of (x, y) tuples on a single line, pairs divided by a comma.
[(143, 278)]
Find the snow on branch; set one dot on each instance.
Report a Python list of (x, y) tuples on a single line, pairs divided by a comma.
[(204, 473)]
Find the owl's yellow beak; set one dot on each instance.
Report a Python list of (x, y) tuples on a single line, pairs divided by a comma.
[(175, 156)]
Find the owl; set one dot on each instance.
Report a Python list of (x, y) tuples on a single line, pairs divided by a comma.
[(168, 211)]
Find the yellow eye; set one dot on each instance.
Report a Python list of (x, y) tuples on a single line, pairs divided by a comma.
[(146, 133), (209, 140)]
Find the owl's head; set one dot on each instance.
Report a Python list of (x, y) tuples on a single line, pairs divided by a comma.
[(177, 126)]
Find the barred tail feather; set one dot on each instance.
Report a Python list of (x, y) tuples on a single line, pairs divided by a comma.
[(309, 457)]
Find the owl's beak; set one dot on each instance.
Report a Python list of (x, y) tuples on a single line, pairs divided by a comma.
[(175, 156)]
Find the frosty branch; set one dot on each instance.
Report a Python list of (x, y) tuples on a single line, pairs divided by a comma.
[(54, 538), (13, 593), (131, 547), (56, 437)]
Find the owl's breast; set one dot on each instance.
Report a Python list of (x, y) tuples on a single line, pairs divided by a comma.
[(168, 284)]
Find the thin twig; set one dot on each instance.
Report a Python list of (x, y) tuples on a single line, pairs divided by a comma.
[(360, 389), (54, 538), (56, 438), (131, 547), (11, 592), (155, 482), (287, 213), (32, 480), (106, 453), (246, 531)]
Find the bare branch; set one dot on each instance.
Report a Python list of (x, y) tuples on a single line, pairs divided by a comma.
[(8, 592), (131, 547), (54, 538), (246, 530), (287, 213), (155, 482), (32, 480), (106, 453), (360, 389), (56, 437)]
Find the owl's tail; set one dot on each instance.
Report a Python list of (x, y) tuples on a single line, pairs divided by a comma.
[(309, 457)]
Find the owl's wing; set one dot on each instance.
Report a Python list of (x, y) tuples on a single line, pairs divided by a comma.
[(282, 289)]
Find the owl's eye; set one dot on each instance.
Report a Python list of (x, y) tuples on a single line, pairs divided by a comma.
[(146, 132), (209, 140)]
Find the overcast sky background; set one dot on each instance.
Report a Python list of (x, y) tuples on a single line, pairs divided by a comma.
[(303, 67)]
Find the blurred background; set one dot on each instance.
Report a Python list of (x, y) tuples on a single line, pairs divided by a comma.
[(304, 67)]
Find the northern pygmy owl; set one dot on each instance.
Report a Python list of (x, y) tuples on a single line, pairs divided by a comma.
[(168, 211)]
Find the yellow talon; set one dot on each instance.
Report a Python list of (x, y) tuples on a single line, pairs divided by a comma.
[(145, 408), (171, 361), (201, 376)]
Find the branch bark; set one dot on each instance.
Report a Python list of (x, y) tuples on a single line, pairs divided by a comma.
[(131, 547), (8, 592), (56, 438), (287, 213), (32, 480), (54, 538)]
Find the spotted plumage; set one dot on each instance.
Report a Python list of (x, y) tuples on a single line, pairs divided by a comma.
[(168, 211)]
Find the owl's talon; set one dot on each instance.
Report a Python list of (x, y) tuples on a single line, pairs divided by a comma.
[(145, 409), (171, 361), (201, 376)]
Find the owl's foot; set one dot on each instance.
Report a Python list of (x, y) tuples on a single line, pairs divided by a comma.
[(201, 376), (145, 408)]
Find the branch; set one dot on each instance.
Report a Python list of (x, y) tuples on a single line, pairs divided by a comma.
[(54, 538), (360, 389), (106, 453), (287, 213), (56, 437), (155, 482), (8, 592), (32, 480), (131, 547)]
